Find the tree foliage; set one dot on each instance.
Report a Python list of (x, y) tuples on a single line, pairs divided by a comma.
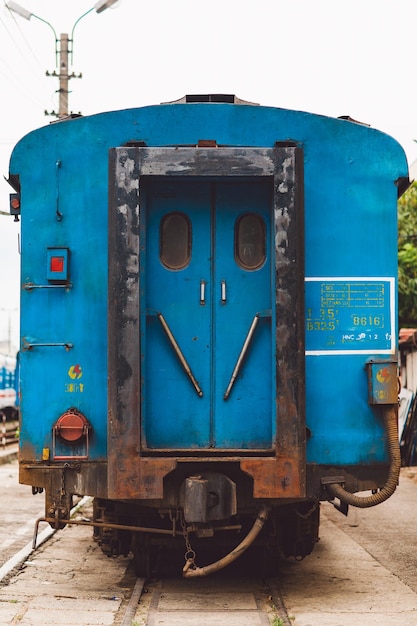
[(407, 258)]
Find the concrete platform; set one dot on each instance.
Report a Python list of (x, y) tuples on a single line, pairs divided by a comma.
[(364, 569), (9, 454), (58, 579), (363, 572)]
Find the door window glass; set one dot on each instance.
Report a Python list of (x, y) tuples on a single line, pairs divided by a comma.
[(175, 241), (250, 241)]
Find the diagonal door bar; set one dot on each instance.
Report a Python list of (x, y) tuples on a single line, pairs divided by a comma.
[(241, 357), (179, 354)]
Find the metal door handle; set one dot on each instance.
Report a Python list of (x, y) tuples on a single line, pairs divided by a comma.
[(223, 291), (202, 292)]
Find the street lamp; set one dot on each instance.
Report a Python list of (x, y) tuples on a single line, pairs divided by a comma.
[(62, 49)]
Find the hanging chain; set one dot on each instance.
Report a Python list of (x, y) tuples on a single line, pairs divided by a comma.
[(189, 555), (63, 492), (174, 517), (309, 512)]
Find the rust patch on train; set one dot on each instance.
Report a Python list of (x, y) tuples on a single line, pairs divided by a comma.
[(275, 477)]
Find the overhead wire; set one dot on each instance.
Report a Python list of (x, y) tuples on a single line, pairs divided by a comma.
[(29, 47), (5, 68)]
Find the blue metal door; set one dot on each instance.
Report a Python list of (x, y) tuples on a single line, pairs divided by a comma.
[(207, 345)]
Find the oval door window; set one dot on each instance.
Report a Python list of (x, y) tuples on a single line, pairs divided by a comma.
[(175, 241), (250, 241)]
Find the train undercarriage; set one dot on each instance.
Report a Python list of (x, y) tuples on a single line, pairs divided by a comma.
[(207, 514), (289, 530)]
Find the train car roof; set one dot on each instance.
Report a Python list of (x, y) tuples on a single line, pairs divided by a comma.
[(221, 117)]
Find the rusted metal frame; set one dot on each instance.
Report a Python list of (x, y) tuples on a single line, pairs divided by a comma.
[(131, 475), (289, 219), (85, 477), (123, 326), (62, 522), (284, 476), (205, 162)]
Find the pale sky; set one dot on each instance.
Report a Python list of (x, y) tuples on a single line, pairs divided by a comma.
[(330, 57)]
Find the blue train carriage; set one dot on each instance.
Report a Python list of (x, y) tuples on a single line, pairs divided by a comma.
[(8, 388), (209, 331)]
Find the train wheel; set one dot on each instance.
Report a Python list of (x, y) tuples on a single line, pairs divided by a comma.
[(301, 530)]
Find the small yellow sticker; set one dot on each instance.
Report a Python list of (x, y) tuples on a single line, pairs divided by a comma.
[(75, 371), (383, 375)]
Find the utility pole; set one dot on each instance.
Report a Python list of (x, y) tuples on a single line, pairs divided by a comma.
[(63, 75), (62, 51)]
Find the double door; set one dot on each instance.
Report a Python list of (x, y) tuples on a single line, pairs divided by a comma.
[(207, 346)]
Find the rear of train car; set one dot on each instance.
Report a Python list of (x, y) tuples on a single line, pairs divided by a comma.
[(208, 326)]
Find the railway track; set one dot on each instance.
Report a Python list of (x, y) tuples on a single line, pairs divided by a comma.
[(228, 600), (68, 580)]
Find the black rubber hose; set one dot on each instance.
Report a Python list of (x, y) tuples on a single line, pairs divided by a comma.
[(390, 413)]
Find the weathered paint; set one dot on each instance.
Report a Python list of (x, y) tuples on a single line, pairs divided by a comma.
[(349, 201), (288, 448)]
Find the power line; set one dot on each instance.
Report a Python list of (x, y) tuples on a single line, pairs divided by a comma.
[(27, 93), (29, 47), (6, 69)]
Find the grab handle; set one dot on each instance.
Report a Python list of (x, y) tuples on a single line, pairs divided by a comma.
[(179, 354), (241, 356), (202, 292), (223, 291)]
